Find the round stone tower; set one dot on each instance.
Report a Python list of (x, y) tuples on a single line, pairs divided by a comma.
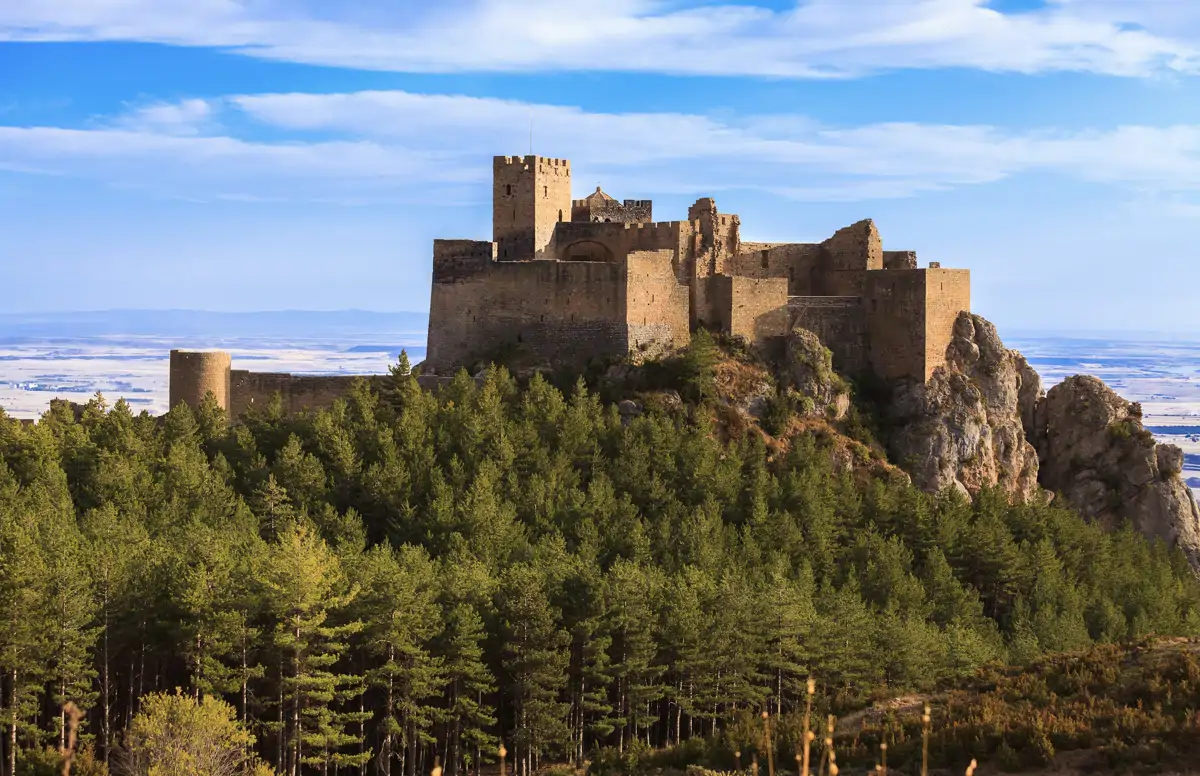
[(195, 373)]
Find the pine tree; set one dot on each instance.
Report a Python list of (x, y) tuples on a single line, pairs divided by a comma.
[(468, 682), (305, 586), (535, 662), (631, 595), (400, 616)]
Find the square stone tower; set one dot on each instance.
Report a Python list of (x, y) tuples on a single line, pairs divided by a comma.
[(529, 196)]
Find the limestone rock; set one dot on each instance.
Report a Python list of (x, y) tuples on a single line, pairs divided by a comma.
[(1094, 450), (808, 369), (966, 427)]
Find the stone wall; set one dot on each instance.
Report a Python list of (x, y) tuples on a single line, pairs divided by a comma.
[(252, 390), (855, 247), (899, 260), (753, 308), (839, 322), (895, 314), (193, 374), (460, 259), (530, 196), (800, 263), (947, 293), (657, 306), (565, 311)]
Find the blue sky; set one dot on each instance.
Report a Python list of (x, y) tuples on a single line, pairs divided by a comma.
[(296, 154)]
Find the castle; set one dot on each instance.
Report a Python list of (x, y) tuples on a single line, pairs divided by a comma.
[(570, 280)]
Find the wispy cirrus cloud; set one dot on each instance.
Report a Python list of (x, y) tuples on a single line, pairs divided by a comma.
[(813, 39), (383, 144)]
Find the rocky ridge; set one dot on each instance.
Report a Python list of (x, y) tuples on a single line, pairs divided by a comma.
[(983, 420)]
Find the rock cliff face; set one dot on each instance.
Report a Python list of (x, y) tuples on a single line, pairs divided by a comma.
[(983, 420), (808, 369), (1095, 452), (965, 427)]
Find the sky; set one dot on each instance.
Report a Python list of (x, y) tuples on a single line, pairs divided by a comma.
[(239, 155)]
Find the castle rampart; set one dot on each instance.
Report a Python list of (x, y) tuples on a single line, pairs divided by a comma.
[(560, 310), (255, 390), (248, 391)]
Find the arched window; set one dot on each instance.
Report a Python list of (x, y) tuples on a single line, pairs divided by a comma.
[(560, 216), (508, 189)]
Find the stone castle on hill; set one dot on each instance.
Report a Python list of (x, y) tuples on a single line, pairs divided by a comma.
[(570, 280), (573, 279)]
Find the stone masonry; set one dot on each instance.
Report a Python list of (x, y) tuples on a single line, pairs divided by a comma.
[(571, 280)]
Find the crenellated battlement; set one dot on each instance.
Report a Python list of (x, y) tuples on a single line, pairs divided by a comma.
[(530, 161)]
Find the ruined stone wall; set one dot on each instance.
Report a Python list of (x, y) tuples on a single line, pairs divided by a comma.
[(855, 247), (753, 308), (254, 390), (631, 211), (565, 311), (947, 293), (194, 373), (657, 306), (840, 323), (530, 195), (895, 312)]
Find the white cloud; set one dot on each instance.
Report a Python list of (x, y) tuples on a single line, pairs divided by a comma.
[(188, 117), (385, 145), (816, 38)]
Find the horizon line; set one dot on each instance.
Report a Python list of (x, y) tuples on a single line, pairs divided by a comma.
[(1006, 331)]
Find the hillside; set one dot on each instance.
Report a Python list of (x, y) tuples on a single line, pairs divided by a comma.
[(575, 572)]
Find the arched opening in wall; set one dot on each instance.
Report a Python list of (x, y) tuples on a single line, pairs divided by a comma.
[(766, 259), (587, 250), (508, 189), (608, 220), (560, 216)]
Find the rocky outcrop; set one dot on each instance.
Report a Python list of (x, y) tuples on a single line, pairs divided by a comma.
[(983, 420), (965, 427), (1094, 450), (808, 370)]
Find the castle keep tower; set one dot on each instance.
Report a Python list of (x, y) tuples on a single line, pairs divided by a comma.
[(529, 196), (195, 373)]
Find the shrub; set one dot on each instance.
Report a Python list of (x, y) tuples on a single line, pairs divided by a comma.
[(177, 734)]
